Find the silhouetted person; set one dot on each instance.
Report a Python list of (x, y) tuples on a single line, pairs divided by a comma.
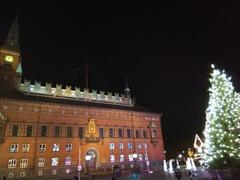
[(4, 178), (178, 174)]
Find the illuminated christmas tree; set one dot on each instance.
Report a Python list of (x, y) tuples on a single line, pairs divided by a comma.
[(222, 120)]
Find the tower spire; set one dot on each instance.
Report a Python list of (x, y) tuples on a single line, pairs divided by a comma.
[(12, 41), (127, 89)]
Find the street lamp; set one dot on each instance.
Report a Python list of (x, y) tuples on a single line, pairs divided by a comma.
[(134, 157)]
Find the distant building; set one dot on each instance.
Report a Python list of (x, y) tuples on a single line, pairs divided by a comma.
[(49, 130)]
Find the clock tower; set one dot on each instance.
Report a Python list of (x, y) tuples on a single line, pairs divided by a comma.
[(10, 65)]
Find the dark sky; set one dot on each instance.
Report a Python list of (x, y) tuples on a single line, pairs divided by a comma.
[(165, 51)]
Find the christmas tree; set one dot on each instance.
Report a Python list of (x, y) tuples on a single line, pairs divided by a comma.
[(222, 119)]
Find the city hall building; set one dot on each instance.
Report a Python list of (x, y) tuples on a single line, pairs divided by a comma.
[(48, 130)]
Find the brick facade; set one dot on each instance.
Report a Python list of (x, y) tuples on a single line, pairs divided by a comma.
[(23, 114)]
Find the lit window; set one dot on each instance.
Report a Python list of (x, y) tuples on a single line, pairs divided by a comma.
[(55, 147), (55, 161), (22, 174), (140, 157), (111, 146), (68, 147), (25, 147), (41, 162), (121, 158), (112, 158), (10, 175), (139, 145), (28, 131), (130, 146), (23, 163), (121, 146), (154, 133), (54, 171), (68, 171), (130, 157), (40, 173), (42, 147), (14, 148), (68, 161), (15, 130), (145, 145), (12, 163)]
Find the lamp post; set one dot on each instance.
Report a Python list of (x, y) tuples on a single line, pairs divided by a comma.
[(79, 162), (147, 161), (87, 157)]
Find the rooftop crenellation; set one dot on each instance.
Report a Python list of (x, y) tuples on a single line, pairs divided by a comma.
[(77, 94)]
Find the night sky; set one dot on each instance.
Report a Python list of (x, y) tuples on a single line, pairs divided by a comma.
[(165, 51)]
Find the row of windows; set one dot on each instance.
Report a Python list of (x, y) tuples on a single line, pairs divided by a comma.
[(42, 147), (15, 130), (12, 163), (68, 147)]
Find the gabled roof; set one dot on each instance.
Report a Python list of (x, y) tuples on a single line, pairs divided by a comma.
[(152, 125)]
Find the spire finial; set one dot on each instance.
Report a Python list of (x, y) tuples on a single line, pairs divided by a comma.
[(127, 89), (12, 41)]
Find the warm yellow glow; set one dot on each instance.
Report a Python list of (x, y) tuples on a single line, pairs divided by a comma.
[(9, 58)]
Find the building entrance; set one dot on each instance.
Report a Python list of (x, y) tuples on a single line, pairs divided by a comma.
[(91, 159)]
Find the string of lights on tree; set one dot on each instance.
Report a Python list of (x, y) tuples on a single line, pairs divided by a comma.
[(222, 129)]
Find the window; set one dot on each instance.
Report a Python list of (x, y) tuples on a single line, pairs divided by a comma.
[(129, 133), (68, 147), (120, 133), (130, 157), (68, 161), (22, 174), (111, 146), (138, 133), (57, 131), (101, 132), (144, 134), (29, 131), (14, 148), (23, 163), (12, 163), (40, 173), (121, 146), (112, 158), (130, 146), (43, 131), (15, 130), (140, 157), (42, 147), (55, 161), (139, 145), (41, 162), (56, 147), (80, 132), (25, 147), (69, 131), (145, 145), (121, 159), (10, 175), (154, 133), (111, 132), (54, 171)]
